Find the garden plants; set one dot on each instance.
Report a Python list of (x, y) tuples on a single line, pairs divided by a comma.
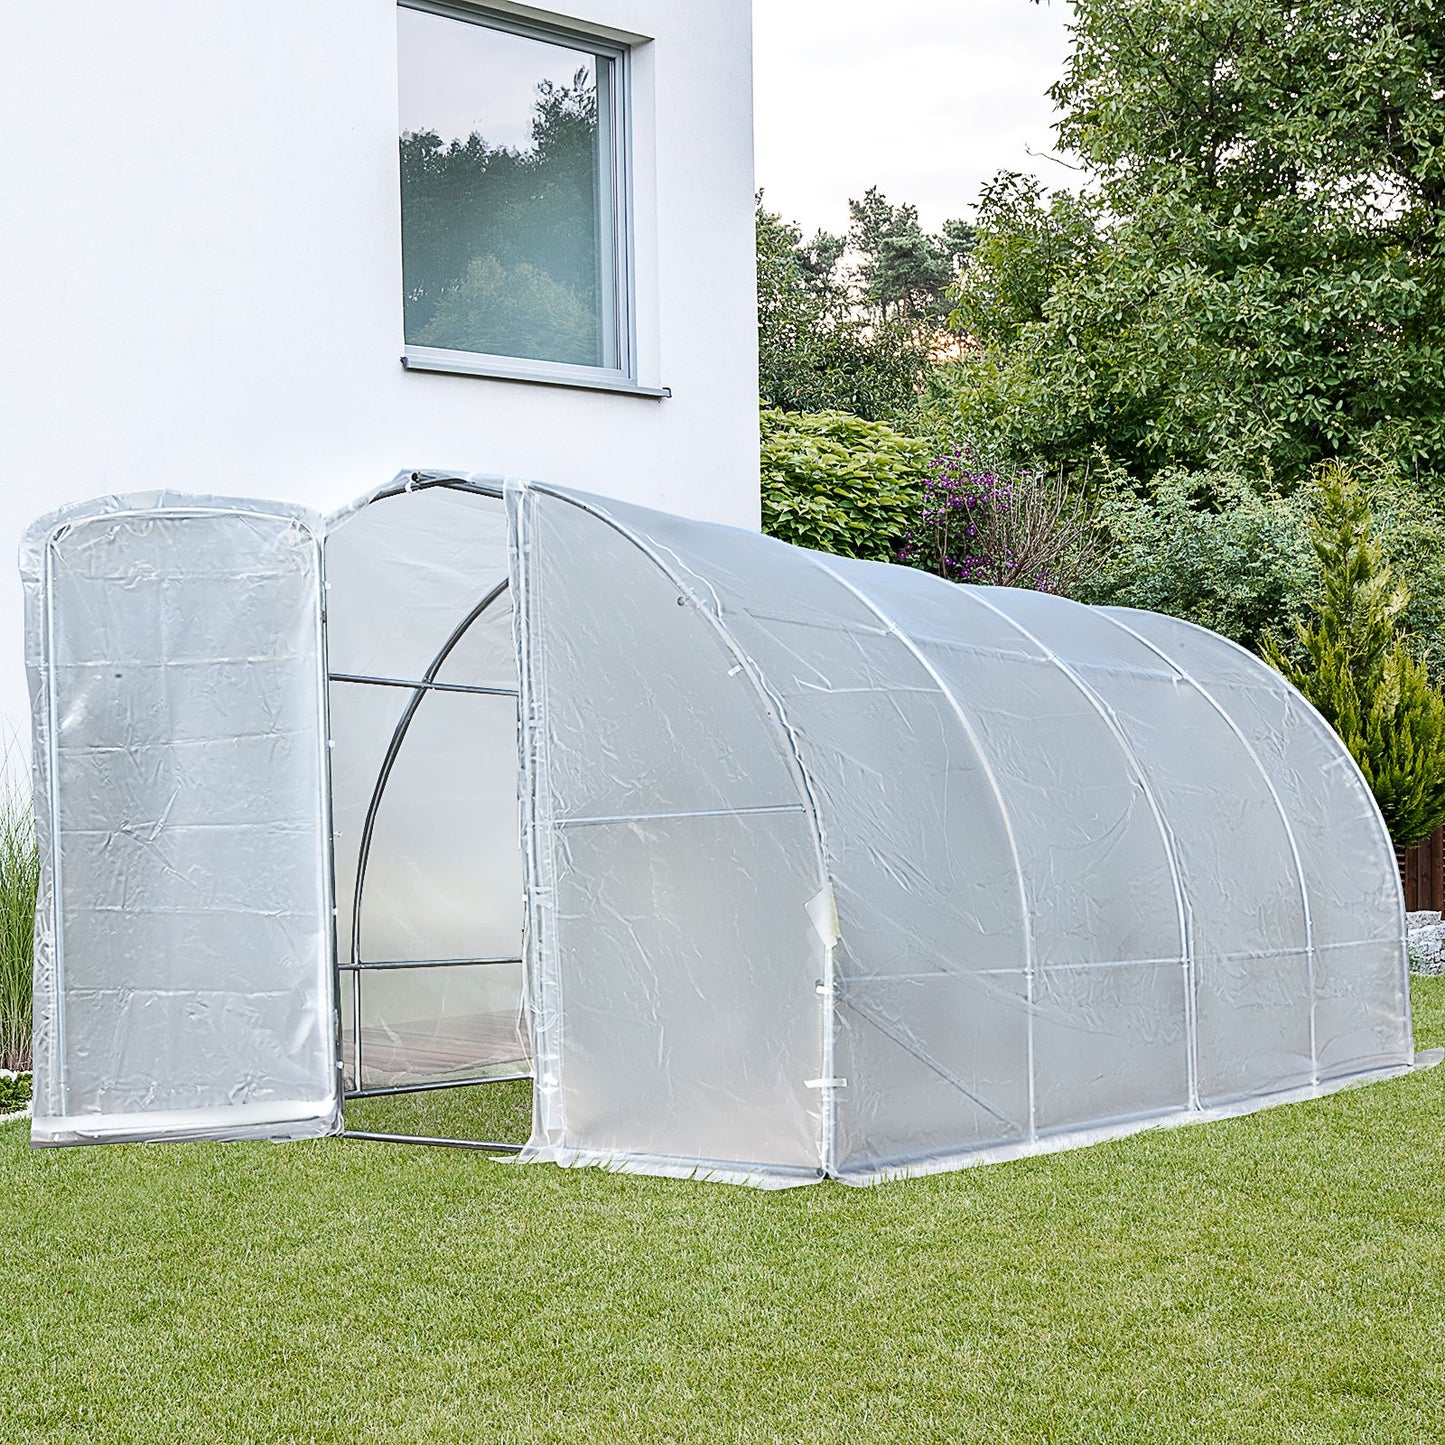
[(1011, 530), (19, 875), (839, 484), (1359, 671)]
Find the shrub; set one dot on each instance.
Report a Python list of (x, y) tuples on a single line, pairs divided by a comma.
[(1234, 555), (19, 877), (1358, 670), (836, 483), (15, 1090), (1212, 548), (1022, 530)]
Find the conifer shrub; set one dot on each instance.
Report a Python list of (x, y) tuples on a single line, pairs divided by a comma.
[(15, 1091), (1355, 664)]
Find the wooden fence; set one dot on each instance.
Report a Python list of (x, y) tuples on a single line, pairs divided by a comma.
[(1422, 871)]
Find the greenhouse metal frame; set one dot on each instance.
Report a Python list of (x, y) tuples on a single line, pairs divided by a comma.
[(766, 866)]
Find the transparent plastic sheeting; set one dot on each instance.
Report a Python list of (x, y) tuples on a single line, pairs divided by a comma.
[(423, 699), (183, 968), (772, 866), (836, 868)]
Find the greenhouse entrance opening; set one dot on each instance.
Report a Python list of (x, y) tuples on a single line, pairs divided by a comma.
[(422, 696)]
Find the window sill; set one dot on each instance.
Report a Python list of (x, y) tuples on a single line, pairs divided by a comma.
[(579, 378)]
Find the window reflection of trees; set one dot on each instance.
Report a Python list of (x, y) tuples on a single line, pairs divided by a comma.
[(502, 246)]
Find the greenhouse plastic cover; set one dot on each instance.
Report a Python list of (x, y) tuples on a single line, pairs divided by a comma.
[(183, 979), (771, 865)]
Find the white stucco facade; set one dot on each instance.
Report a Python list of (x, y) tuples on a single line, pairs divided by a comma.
[(201, 268)]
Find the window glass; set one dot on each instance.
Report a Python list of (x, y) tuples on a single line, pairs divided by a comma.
[(508, 233)]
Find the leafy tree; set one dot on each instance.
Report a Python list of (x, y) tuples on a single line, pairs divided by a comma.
[(1025, 244), (1257, 275), (839, 484), (1359, 672)]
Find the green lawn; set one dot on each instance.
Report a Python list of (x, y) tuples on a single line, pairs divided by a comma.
[(1278, 1277)]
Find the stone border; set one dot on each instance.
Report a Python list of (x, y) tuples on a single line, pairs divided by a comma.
[(1425, 938)]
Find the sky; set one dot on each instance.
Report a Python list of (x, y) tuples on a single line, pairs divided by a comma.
[(926, 99)]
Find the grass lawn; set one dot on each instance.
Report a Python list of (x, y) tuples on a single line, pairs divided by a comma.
[(1274, 1278)]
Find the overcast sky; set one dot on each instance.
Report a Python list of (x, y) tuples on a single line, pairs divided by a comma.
[(925, 99)]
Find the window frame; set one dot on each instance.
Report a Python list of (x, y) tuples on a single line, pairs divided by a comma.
[(619, 301)]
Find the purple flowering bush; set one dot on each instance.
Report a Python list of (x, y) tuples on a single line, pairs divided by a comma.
[(975, 525)]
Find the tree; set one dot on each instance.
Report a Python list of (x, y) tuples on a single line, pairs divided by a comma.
[(1359, 672), (1257, 273), (853, 323), (1023, 246), (904, 274), (815, 352)]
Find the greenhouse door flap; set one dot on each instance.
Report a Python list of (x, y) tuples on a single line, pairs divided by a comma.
[(185, 974)]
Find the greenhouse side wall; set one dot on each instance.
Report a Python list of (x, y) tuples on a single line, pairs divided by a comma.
[(1359, 972), (1081, 889), (1102, 995)]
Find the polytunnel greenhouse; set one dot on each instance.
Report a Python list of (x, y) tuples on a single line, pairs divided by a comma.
[(763, 865)]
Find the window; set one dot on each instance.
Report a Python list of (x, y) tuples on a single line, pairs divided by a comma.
[(515, 238)]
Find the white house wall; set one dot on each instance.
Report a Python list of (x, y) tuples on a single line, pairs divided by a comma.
[(200, 267)]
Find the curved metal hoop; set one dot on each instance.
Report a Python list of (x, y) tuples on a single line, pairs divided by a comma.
[(398, 737)]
